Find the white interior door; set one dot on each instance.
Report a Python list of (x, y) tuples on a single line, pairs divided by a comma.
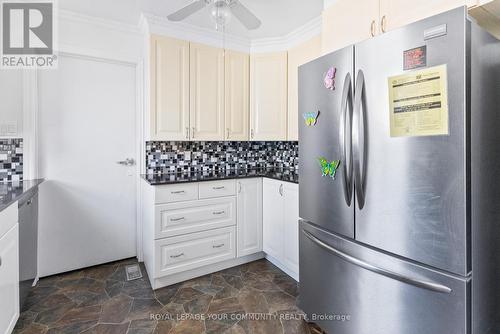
[(87, 203)]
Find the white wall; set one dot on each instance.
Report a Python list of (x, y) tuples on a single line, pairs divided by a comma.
[(11, 102)]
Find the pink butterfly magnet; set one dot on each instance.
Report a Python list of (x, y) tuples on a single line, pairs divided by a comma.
[(329, 80)]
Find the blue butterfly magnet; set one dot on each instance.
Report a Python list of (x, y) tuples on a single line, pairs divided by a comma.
[(311, 118)]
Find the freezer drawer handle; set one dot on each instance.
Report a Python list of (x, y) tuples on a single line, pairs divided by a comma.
[(387, 273)]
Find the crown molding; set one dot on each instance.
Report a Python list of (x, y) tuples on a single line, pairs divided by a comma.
[(96, 21), (298, 36), (162, 26)]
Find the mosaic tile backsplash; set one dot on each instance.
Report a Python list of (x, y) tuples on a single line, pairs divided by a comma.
[(11, 160), (195, 157)]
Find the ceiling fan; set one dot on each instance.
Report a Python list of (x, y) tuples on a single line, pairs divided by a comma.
[(221, 11)]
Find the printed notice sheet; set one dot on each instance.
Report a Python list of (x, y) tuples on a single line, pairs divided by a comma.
[(418, 103)]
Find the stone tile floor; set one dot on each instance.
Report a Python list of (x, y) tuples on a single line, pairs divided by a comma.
[(100, 300)]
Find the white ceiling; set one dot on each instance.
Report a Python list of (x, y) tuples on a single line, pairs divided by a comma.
[(279, 17)]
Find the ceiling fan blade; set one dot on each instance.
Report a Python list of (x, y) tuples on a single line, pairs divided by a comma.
[(249, 20), (182, 13)]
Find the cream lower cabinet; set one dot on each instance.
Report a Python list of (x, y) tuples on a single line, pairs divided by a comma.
[(280, 225), (9, 269), (268, 96), (249, 210), (193, 229), (206, 92), (237, 95)]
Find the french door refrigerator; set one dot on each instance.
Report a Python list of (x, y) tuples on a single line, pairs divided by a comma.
[(399, 153)]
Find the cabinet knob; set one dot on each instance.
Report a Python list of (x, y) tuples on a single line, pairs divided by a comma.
[(372, 28), (383, 23)]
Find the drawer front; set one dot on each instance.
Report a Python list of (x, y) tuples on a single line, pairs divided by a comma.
[(185, 252), (217, 189), (176, 193), (182, 218)]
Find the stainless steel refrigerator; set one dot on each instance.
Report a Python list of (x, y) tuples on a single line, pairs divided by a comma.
[(399, 192)]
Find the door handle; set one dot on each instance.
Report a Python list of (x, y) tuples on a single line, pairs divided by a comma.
[(218, 188), (432, 286), (187, 132), (177, 219), (127, 162), (359, 138), (239, 187), (227, 131), (218, 246), (176, 256), (281, 189), (193, 131), (218, 212), (177, 192), (345, 135)]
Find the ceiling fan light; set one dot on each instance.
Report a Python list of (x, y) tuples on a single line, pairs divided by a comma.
[(220, 13)]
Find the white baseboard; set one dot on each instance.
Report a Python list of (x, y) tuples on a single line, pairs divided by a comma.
[(205, 270), (280, 265)]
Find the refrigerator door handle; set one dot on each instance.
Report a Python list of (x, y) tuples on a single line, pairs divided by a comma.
[(344, 134), (358, 139), (432, 286)]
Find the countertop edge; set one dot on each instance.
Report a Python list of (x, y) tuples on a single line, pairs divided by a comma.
[(7, 202)]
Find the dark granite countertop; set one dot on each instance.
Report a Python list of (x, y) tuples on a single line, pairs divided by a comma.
[(276, 174), (14, 191)]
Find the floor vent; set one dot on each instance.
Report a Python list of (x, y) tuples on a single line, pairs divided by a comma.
[(133, 272)]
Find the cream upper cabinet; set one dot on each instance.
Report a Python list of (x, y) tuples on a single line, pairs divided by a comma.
[(347, 22), (297, 56), (268, 96), (237, 93), (169, 118), (397, 13), (206, 92)]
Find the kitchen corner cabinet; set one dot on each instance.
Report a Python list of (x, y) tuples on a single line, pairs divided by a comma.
[(237, 95), (249, 211), (206, 92), (348, 22), (9, 269), (169, 105), (280, 225), (268, 96), (298, 56)]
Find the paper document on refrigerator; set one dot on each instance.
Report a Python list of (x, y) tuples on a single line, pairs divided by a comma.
[(418, 103)]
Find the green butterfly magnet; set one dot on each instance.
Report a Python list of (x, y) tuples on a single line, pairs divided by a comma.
[(311, 118), (329, 168)]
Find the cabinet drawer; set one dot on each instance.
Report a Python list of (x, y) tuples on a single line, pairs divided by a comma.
[(195, 250), (181, 218), (217, 189), (176, 193)]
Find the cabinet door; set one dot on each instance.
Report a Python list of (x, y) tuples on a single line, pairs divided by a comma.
[(169, 117), (347, 22), (237, 92), (9, 280), (397, 13), (291, 227), (297, 57), (206, 92), (273, 218), (268, 96), (249, 216)]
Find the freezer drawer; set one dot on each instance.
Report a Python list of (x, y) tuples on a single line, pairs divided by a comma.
[(365, 291)]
